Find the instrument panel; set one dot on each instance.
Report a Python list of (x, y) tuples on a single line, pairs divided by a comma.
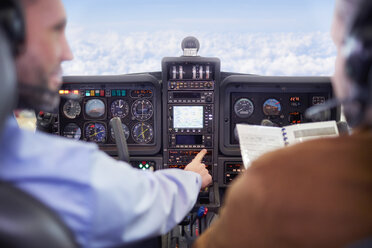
[(134, 99), (169, 116), (269, 101)]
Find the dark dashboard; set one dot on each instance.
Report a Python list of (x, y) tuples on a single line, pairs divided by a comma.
[(134, 99), (169, 116)]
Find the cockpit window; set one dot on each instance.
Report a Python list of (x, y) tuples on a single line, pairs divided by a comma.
[(264, 37)]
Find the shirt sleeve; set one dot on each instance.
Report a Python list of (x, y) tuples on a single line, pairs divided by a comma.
[(131, 204)]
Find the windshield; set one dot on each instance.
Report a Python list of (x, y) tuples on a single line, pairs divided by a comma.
[(264, 37)]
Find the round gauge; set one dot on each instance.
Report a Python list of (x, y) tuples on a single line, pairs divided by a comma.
[(125, 129), (244, 108), (71, 109), (72, 131), (142, 133), (272, 107), (142, 110), (95, 108), (95, 132), (119, 108)]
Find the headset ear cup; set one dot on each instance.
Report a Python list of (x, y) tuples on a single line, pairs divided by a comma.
[(351, 69), (355, 69), (11, 19), (358, 60)]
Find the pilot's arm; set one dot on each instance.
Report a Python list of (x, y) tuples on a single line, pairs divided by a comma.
[(103, 201), (130, 204)]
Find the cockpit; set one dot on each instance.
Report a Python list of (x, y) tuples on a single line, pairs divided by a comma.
[(168, 116), (161, 119)]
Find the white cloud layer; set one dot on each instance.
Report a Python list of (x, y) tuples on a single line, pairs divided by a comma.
[(274, 54)]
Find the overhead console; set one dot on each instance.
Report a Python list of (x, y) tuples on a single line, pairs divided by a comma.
[(136, 99)]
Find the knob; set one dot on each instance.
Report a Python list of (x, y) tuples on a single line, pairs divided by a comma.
[(268, 123), (208, 99)]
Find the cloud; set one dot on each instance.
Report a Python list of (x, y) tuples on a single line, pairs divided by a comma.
[(274, 54)]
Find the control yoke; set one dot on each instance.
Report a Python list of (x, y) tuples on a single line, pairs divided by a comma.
[(120, 140)]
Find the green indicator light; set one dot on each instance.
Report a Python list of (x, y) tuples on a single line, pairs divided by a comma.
[(123, 93), (87, 94), (147, 166), (118, 92), (113, 93), (97, 93), (140, 166)]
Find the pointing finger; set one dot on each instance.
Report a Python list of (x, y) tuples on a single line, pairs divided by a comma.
[(200, 155)]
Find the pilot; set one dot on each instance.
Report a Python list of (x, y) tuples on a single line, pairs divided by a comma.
[(317, 193), (104, 202)]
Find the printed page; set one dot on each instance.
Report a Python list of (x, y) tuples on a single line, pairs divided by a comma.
[(307, 131), (257, 140)]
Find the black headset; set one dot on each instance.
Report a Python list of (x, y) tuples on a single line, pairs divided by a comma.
[(358, 64), (12, 37), (12, 23)]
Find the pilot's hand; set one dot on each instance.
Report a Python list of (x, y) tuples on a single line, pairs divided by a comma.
[(197, 166)]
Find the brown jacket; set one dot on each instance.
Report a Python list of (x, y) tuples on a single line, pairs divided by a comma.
[(314, 194)]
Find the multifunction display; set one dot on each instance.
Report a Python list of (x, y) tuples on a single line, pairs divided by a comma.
[(188, 117)]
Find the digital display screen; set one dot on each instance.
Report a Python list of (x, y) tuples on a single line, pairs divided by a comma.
[(178, 95), (295, 118), (141, 93), (188, 117), (295, 101), (189, 139)]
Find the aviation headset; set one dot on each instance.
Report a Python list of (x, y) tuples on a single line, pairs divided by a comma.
[(358, 62), (12, 36)]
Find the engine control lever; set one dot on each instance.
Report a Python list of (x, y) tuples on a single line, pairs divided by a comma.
[(45, 121)]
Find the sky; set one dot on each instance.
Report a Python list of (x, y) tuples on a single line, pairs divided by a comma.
[(265, 37)]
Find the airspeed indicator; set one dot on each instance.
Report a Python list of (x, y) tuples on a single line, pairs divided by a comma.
[(71, 109), (244, 108)]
